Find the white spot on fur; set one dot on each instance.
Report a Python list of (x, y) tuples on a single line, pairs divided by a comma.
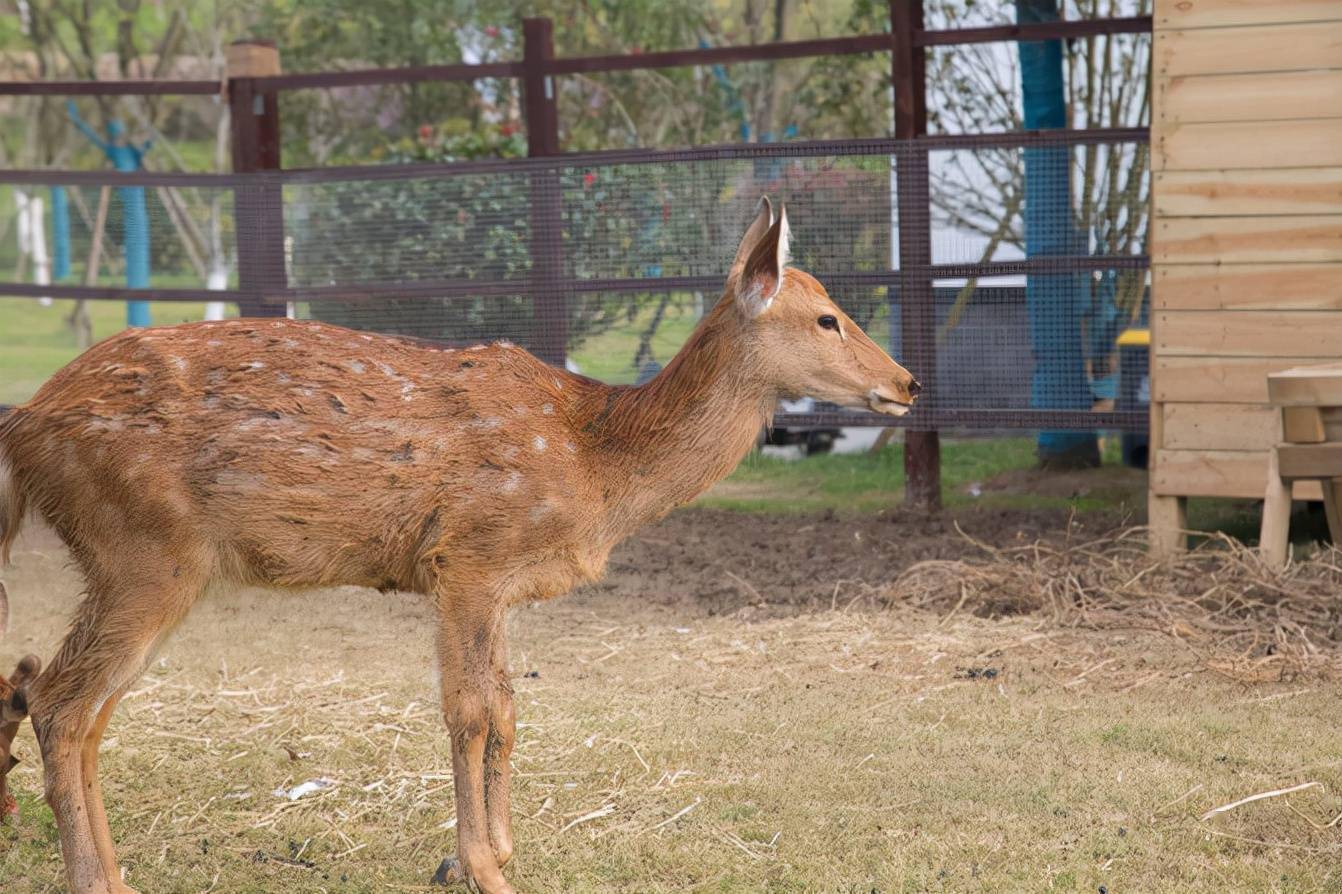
[(355, 366), (510, 484), (179, 362), (366, 337), (504, 343), (476, 348), (539, 512), (213, 343), (490, 422), (539, 443), (256, 364), (385, 369), (570, 447), (548, 409)]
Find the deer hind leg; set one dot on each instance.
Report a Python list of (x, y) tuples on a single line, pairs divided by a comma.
[(467, 633), (118, 628)]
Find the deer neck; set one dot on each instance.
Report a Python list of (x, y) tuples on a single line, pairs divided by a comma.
[(667, 441)]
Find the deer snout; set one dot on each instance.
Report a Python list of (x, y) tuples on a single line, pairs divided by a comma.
[(897, 398)]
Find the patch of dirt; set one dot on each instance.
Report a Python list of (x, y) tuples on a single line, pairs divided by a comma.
[(705, 561)]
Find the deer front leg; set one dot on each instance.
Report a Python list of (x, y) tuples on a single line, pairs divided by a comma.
[(467, 631)]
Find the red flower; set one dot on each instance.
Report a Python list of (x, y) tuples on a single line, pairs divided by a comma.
[(588, 179), (507, 129), (425, 132), (491, 31)]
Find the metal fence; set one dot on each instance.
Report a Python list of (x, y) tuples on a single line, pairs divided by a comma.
[(560, 250)]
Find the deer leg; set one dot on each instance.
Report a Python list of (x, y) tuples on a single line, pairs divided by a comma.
[(116, 632), (498, 758), (469, 692), (93, 796)]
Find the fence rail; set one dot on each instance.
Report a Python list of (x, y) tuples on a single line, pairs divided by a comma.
[(765, 52)]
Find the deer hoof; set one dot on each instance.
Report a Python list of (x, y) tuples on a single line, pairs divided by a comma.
[(450, 872)]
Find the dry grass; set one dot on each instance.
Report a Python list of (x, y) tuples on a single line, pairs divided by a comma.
[(1241, 618), (1076, 739)]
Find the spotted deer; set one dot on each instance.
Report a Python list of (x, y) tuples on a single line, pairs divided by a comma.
[(295, 454)]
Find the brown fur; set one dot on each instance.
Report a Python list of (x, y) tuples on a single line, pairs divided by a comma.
[(296, 454)]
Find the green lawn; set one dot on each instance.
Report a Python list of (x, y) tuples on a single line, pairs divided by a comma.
[(970, 473), (610, 355)]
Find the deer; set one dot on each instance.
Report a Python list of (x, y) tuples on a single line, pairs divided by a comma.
[(286, 454)]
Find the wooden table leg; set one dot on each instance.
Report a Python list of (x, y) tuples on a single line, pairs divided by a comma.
[(1274, 539)]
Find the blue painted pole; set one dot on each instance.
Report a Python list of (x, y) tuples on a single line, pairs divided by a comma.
[(60, 234), (126, 156), (1053, 301)]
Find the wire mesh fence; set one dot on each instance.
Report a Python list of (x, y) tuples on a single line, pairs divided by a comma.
[(606, 261)]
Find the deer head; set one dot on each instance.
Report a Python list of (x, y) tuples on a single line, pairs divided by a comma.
[(803, 344)]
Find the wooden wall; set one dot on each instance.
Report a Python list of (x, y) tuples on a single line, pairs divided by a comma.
[(1246, 246)]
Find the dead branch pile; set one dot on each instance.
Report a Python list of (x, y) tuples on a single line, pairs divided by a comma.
[(1239, 616)]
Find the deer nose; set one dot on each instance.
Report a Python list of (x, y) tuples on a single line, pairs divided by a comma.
[(915, 388)]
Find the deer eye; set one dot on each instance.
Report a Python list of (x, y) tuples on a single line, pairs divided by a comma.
[(828, 322)]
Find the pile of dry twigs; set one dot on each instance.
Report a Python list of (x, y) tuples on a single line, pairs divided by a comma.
[(1241, 617)]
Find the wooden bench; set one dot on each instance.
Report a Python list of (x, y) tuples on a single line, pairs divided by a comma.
[(1310, 399)]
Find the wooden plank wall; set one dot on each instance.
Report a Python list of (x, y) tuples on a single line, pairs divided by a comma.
[(1247, 235)]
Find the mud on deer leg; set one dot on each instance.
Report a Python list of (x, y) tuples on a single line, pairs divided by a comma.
[(498, 763)]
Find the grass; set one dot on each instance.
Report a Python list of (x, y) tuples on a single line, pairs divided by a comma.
[(609, 356), (864, 482), (841, 751)]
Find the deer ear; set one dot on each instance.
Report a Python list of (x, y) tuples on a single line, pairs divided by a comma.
[(764, 218), (762, 276)]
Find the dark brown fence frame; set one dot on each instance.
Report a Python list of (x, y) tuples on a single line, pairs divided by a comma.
[(258, 181)]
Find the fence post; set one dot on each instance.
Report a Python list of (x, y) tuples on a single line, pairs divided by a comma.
[(550, 302), (918, 319), (254, 117)]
